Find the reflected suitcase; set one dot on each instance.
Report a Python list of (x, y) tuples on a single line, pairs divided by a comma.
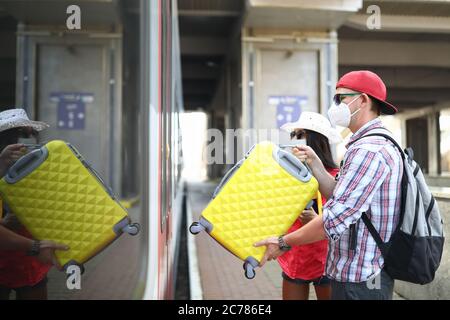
[(57, 196), (260, 197)]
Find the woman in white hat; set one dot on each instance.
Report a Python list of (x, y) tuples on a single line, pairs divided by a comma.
[(19, 271), (303, 265)]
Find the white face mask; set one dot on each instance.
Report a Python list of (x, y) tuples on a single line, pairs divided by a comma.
[(340, 115)]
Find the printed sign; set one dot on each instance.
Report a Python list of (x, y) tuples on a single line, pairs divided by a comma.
[(71, 109), (288, 108)]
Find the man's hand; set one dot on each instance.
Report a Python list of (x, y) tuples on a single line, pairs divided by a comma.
[(307, 215), (47, 252), (9, 155), (272, 249)]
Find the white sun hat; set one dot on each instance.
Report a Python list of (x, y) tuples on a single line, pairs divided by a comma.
[(16, 118), (315, 122)]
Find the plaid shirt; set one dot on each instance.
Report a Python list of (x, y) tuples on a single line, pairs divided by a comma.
[(370, 177)]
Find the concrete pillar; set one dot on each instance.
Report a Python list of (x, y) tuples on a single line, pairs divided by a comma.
[(433, 136)]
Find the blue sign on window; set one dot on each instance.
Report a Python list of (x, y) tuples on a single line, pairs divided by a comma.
[(288, 108), (71, 109)]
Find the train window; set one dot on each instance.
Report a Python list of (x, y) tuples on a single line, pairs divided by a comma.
[(88, 85), (176, 143), (163, 102), (169, 108), (109, 89), (166, 110), (179, 143)]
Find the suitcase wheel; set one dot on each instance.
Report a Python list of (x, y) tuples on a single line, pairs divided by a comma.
[(132, 229), (196, 228), (249, 271)]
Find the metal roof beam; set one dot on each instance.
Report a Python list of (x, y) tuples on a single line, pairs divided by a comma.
[(208, 13), (203, 46), (397, 23), (407, 77), (394, 53)]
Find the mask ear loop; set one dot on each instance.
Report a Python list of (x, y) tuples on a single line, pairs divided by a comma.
[(348, 104), (351, 115)]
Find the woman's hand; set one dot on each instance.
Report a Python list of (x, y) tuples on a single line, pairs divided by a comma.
[(307, 215), (9, 155), (272, 249), (11, 222)]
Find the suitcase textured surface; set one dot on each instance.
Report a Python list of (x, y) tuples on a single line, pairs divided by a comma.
[(260, 200), (61, 200)]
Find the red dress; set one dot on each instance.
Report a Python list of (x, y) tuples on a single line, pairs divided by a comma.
[(306, 262), (19, 270)]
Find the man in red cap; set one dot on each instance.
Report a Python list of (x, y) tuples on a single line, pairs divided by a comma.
[(368, 182)]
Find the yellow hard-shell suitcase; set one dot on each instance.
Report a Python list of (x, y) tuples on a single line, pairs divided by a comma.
[(260, 197), (58, 196)]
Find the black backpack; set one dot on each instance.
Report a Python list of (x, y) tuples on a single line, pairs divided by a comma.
[(414, 251)]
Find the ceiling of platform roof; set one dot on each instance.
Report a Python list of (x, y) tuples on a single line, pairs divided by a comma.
[(410, 51), (53, 12), (300, 14)]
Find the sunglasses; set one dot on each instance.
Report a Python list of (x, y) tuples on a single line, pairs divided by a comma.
[(299, 134), (26, 133), (338, 97)]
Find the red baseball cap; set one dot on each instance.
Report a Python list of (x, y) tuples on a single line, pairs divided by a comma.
[(369, 83)]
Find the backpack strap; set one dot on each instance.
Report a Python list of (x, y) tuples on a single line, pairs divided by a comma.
[(376, 236), (384, 135)]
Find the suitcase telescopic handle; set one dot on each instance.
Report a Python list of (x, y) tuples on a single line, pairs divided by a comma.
[(96, 174), (292, 165), (227, 177), (293, 145), (25, 165), (99, 178)]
